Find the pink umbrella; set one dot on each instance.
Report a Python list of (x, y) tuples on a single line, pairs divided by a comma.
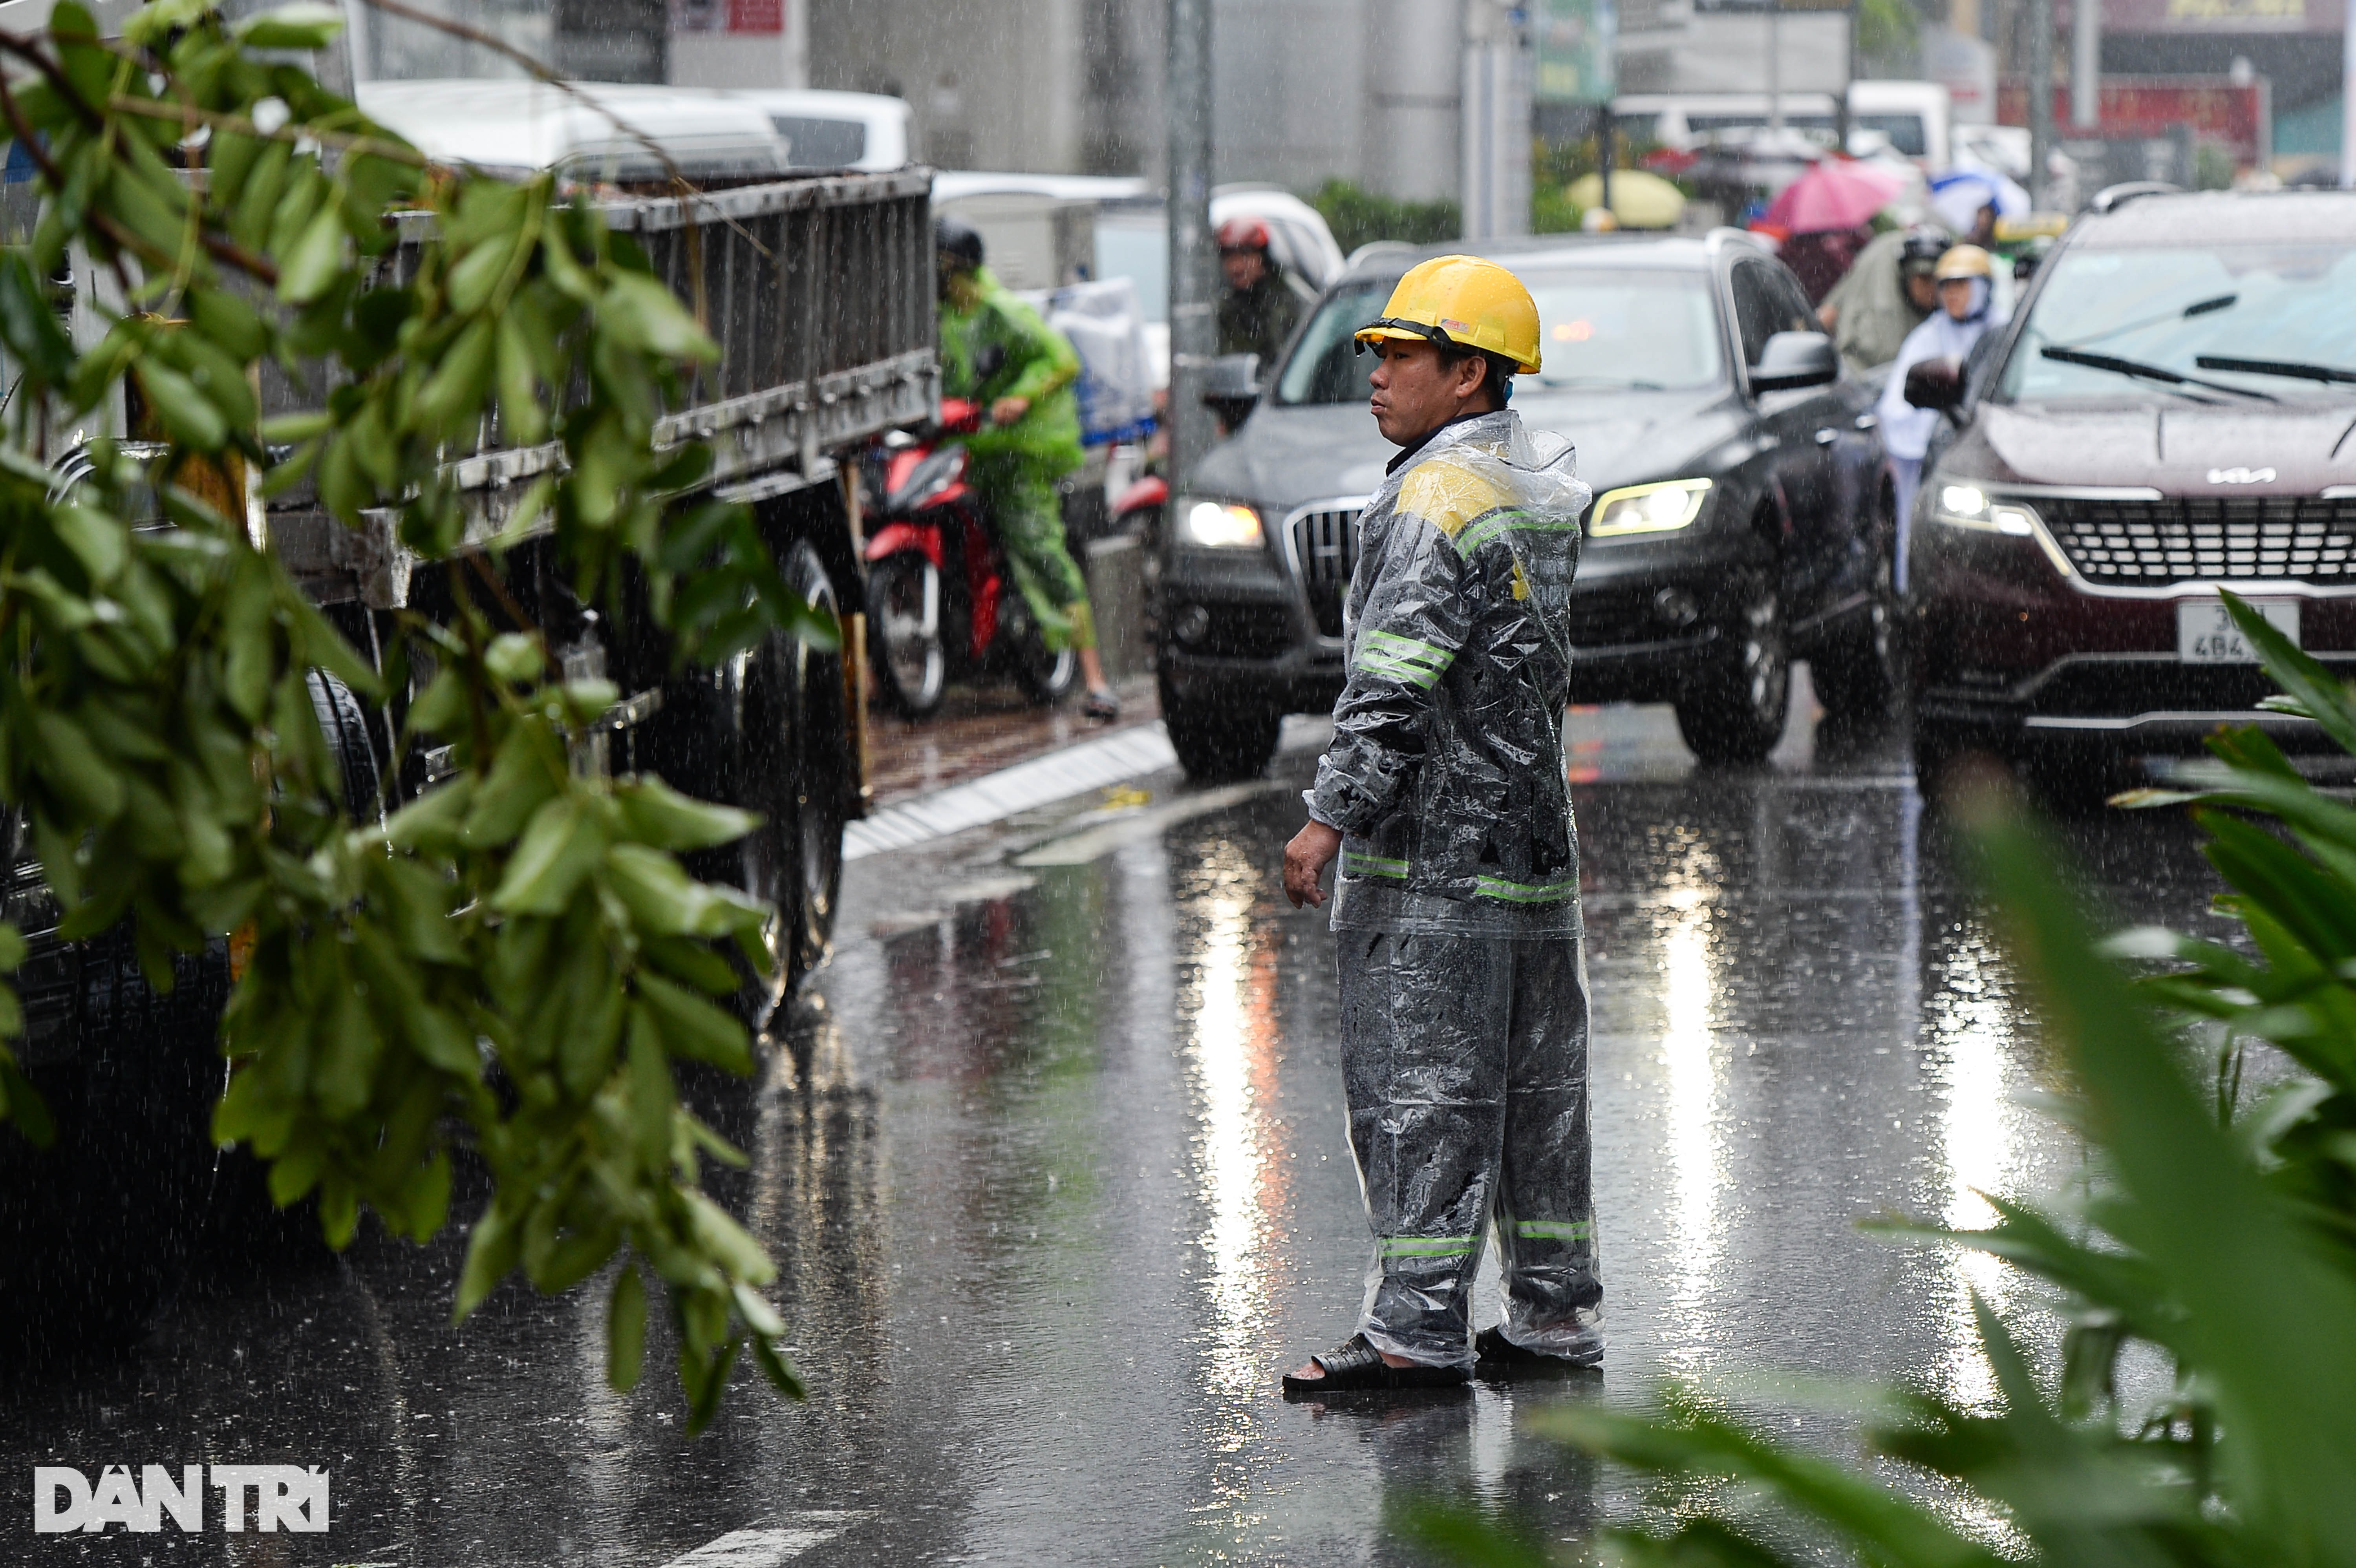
[(1838, 193)]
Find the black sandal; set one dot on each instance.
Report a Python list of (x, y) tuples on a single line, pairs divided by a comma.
[(1354, 1365), (1495, 1349), (1101, 705)]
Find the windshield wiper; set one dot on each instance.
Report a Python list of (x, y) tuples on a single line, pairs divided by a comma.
[(2143, 372), (2297, 370), (2198, 307)]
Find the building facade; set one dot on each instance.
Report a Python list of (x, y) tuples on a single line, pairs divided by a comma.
[(1306, 90)]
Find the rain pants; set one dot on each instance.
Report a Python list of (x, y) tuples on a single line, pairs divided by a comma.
[(1463, 990), (1000, 348), (1906, 429)]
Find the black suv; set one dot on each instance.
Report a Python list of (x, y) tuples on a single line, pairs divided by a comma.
[(2169, 412), (1741, 516)]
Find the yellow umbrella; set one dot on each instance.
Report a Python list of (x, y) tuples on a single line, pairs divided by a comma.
[(1639, 199)]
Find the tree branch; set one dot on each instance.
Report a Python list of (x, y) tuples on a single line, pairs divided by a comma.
[(12, 44), (189, 114)]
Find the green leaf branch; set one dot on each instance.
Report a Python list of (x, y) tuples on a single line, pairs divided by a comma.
[(507, 967)]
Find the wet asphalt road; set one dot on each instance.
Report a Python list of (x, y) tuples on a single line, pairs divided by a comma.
[(1054, 1166)]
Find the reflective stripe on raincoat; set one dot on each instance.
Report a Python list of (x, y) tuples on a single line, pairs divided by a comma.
[(1446, 770)]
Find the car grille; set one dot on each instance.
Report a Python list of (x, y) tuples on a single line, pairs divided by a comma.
[(2186, 538), (1246, 630), (1324, 553), (1601, 617)]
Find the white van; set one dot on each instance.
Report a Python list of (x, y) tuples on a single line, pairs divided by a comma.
[(1914, 115), (517, 128), (864, 131)]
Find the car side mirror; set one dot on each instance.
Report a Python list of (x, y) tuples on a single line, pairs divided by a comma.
[(1791, 359), (1232, 387), (1935, 384)]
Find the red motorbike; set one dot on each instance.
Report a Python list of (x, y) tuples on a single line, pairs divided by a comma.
[(941, 602)]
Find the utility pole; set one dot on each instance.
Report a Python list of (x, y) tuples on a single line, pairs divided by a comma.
[(1495, 117), (1193, 325), (2085, 65), (1848, 79), (2348, 99), (1607, 132), (2040, 101)]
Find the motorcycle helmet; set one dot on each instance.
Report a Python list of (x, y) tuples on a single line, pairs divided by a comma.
[(1243, 234), (1964, 262), (959, 242), (1920, 255)]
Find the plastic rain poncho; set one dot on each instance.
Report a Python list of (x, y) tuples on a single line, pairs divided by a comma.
[(1000, 348), (1463, 995), (1906, 429), (1445, 773), (1875, 315)]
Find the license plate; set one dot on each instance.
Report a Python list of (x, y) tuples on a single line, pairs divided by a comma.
[(2205, 633)]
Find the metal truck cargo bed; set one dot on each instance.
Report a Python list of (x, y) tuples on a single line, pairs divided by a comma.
[(819, 292)]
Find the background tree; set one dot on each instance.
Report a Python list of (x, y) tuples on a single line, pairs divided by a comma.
[(1360, 216), (515, 960)]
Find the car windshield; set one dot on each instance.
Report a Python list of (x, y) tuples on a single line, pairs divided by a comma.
[(1598, 330), (2179, 311)]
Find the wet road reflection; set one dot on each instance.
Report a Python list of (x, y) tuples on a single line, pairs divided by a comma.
[(1232, 1047), (1053, 1167)]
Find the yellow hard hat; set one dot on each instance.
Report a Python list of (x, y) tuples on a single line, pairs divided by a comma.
[(1464, 301), (1963, 262)]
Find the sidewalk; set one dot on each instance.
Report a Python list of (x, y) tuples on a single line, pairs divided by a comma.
[(990, 756), (981, 729)]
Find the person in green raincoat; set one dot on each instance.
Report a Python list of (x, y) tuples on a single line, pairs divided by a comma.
[(996, 351)]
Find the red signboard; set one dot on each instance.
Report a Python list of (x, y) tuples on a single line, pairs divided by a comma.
[(756, 16), (2215, 108)]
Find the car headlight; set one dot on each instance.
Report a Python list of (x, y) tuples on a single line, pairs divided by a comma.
[(1969, 507), (1648, 508), (1219, 525)]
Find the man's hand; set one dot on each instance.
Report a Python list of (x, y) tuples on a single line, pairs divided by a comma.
[(1006, 411), (1305, 860)]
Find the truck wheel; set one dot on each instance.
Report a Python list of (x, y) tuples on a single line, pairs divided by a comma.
[(345, 723), (904, 628), (1734, 712), (1861, 670), (823, 775), (1216, 742), (95, 1231), (794, 769), (1047, 678)]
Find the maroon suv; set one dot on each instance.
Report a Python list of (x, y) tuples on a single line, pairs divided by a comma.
[(2172, 410)]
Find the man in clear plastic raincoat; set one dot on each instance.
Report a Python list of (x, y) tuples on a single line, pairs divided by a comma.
[(1444, 797)]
